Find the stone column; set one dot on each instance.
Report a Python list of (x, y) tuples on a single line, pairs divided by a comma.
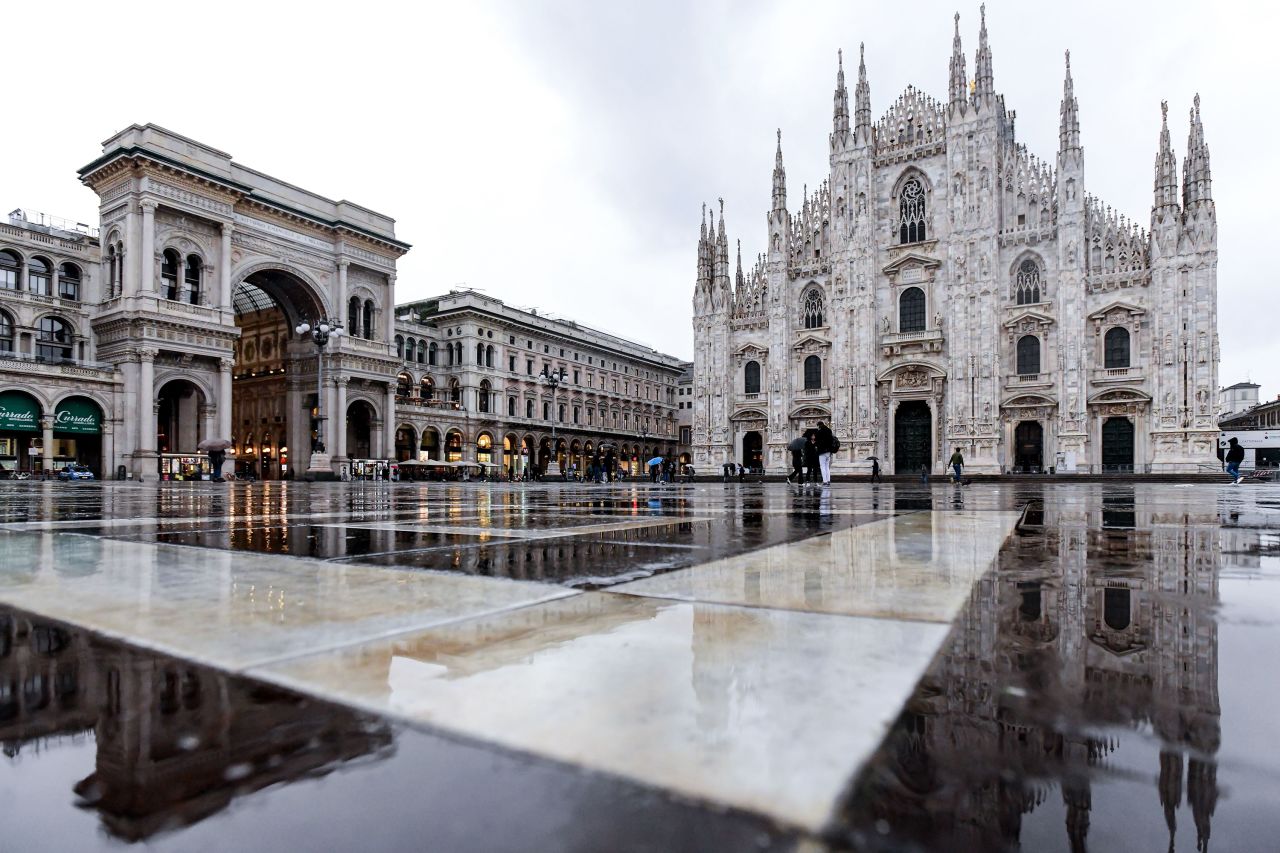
[(224, 272), (128, 262), (340, 422), (389, 329), (223, 420), (146, 401), (340, 295), (53, 280), (299, 422), (147, 263), (46, 439), (389, 422), (108, 471)]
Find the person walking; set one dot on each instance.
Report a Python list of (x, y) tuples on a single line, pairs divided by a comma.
[(610, 466), (1235, 455), (826, 442), (811, 458), (875, 470), (924, 473), (957, 464), (797, 461)]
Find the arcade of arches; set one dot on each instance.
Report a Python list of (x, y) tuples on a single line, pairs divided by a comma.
[(514, 454)]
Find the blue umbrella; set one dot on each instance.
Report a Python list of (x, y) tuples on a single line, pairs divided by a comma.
[(657, 460)]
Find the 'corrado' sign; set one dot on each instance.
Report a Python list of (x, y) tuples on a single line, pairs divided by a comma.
[(19, 412), (77, 415)]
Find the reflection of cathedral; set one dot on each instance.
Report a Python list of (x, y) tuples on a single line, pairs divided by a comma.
[(175, 742), (944, 287), (1097, 626)]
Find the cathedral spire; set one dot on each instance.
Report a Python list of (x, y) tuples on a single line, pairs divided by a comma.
[(984, 83), (1069, 130), (841, 108), (1196, 181), (704, 253), (862, 100), (720, 269), (738, 278), (1166, 181), (959, 77), (779, 178)]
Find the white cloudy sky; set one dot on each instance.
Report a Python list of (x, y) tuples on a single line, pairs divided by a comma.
[(556, 154)]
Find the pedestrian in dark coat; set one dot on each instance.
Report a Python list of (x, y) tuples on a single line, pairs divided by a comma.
[(1235, 455), (797, 467), (811, 458), (875, 470)]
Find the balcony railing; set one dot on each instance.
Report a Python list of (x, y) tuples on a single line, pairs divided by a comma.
[(889, 338), (1117, 374), (1028, 379), (29, 362)]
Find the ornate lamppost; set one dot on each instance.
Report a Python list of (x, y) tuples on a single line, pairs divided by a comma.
[(553, 379), (319, 467)]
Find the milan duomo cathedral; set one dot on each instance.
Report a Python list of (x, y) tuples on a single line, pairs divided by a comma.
[(944, 288)]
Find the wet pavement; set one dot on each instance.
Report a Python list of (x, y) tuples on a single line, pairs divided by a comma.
[(728, 667)]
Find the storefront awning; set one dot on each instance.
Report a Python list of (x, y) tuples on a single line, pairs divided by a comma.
[(77, 415), (19, 412)]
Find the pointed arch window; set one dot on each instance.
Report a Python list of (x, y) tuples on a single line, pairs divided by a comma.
[(812, 373), (1027, 283), (911, 310), (911, 212), (1028, 355), (191, 278), (812, 309), (69, 282), (353, 317), (751, 378), (1116, 348), (485, 396), (39, 276), (10, 268), (367, 319), (169, 264)]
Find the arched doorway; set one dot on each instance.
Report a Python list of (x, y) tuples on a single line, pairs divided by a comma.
[(406, 443), (360, 430), (453, 446), (912, 437), (77, 434), (484, 450), (1028, 448), (1117, 445), (20, 415), (429, 447), (752, 451), (268, 304), (179, 429)]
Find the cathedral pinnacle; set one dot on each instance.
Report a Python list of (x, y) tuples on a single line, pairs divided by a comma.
[(779, 178), (1069, 130), (958, 88), (1166, 178), (841, 99), (1196, 182), (984, 82), (862, 100)]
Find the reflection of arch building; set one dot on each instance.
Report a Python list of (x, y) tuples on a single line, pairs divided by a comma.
[(942, 277)]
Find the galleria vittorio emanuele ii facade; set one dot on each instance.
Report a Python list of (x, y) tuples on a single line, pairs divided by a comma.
[(945, 288)]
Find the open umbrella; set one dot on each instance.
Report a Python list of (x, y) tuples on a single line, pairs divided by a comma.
[(214, 444), (873, 458), (657, 460), (797, 444)]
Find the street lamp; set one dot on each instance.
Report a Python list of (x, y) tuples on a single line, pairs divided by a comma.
[(553, 379), (318, 468)]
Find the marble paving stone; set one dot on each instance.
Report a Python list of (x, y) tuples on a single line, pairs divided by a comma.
[(542, 527), (918, 566), (767, 710), (232, 609)]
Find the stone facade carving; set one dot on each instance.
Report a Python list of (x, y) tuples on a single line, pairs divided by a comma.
[(950, 206)]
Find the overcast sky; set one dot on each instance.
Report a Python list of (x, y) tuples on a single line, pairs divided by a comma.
[(557, 154)]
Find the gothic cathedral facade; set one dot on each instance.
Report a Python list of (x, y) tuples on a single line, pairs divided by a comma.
[(944, 288)]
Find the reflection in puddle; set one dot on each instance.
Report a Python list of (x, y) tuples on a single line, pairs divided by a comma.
[(175, 742), (1086, 663)]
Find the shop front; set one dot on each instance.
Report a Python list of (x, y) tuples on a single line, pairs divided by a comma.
[(77, 435), (177, 466), (20, 445)]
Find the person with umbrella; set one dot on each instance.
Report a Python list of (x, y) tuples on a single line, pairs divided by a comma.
[(796, 447), (217, 450), (875, 468), (655, 465)]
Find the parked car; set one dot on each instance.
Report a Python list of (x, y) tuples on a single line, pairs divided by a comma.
[(75, 472)]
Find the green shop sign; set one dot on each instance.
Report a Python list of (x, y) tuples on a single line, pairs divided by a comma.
[(19, 412), (77, 415)]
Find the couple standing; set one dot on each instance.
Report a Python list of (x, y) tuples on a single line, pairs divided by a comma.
[(820, 446)]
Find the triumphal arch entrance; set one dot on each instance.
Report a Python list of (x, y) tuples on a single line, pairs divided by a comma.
[(208, 267)]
